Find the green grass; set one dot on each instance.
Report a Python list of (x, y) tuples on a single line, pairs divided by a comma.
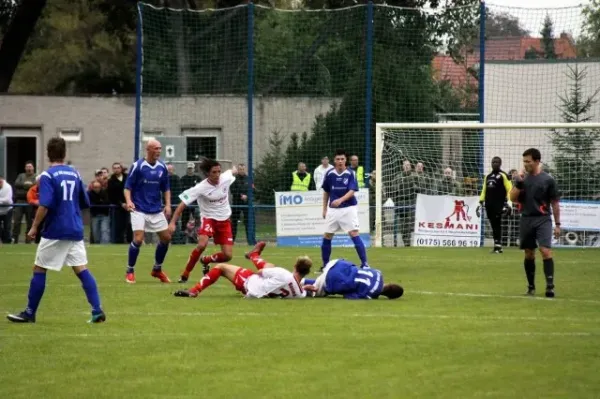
[(462, 330)]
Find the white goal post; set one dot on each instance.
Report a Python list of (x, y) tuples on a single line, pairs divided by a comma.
[(459, 151)]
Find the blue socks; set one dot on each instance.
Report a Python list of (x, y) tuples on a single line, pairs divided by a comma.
[(325, 250), (36, 291), (360, 250), (159, 255), (91, 290), (134, 251)]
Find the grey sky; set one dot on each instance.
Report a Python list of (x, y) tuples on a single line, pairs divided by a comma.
[(566, 14)]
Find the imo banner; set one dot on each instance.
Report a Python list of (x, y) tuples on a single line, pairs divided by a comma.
[(300, 219)]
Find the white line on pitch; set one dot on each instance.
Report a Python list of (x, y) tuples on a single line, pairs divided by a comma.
[(523, 297), (333, 316), (204, 335)]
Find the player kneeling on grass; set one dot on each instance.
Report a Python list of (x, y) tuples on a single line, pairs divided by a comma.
[(212, 195), (269, 282), (341, 277), (62, 196)]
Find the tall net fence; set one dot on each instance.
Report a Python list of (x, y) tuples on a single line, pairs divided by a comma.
[(320, 79)]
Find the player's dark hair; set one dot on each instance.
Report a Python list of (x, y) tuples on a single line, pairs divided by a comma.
[(340, 151), (392, 291), (497, 158), (303, 265), (30, 163), (207, 164), (56, 149), (534, 153)]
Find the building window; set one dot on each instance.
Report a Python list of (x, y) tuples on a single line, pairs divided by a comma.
[(73, 135), (201, 146)]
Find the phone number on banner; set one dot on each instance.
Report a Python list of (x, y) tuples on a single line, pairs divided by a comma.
[(445, 242)]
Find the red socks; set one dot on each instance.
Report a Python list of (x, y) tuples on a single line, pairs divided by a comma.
[(215, 258), (211, 277), (193, 259), (258, 261)]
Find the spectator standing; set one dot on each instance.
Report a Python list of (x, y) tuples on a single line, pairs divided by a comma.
[(239, 198), (320, 172), (6, 200), (99, 211), (22, 184), (120, 219), (185, 183)]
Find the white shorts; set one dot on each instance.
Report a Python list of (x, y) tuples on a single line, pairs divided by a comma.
[(320, 281), (150, 223), (54, 254), (345, 219)]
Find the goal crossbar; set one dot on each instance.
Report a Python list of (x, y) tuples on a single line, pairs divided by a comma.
[(498, 126), (450, 125)]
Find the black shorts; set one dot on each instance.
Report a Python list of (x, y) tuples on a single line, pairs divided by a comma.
[(535, 230)]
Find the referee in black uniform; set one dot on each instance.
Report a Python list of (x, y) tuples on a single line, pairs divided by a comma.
[(537, 192), (494, 196)]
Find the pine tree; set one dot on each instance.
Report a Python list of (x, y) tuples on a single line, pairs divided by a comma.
[(268, 175), (575, 163), (548, 39)]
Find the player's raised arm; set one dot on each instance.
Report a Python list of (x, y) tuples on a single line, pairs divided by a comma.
[(517, 187)]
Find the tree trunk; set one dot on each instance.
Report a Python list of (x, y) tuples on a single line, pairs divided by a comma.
[(16, 37)]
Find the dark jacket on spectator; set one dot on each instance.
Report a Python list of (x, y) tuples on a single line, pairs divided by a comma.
[(115, 190), (188, 181), (239, 187), (100, 198), (175, 183)]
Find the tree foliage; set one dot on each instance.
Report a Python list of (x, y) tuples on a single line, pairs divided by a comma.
[(547, 32), (589, 42), (576, 162)]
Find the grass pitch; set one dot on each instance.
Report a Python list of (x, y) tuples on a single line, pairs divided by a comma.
[(462, 330)]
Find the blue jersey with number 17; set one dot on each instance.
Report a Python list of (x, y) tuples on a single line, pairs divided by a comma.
[(62, 191), (345, 278)]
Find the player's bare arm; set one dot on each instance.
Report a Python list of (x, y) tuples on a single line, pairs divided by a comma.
[(41, 213), (515, 191), (556, 214), (130, 206), (325, 202), (176, 216), (167, 210)]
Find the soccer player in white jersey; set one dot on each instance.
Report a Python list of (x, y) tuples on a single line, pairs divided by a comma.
[(146, 185), (62, 197), (269, 282), (340, 208), (212, 195)]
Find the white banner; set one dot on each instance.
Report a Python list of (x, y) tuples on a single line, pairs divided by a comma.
[(300, 219), (446, 221), (583, 216)]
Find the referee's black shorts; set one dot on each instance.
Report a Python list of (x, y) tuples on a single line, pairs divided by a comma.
[(534, 231)]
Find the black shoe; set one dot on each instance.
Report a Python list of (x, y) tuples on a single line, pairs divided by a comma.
[(497, 250), (530, 291), (182, 279), (550, 292), (184, 294), (205, 268), (22, 317)]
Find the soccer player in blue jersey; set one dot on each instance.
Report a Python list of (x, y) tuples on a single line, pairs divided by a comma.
[(340, 208), (62, 197), (341, 277), (146, 185)]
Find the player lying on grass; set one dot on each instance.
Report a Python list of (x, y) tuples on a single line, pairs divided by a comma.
[(341, 277), (212, 195), (269, 282)]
